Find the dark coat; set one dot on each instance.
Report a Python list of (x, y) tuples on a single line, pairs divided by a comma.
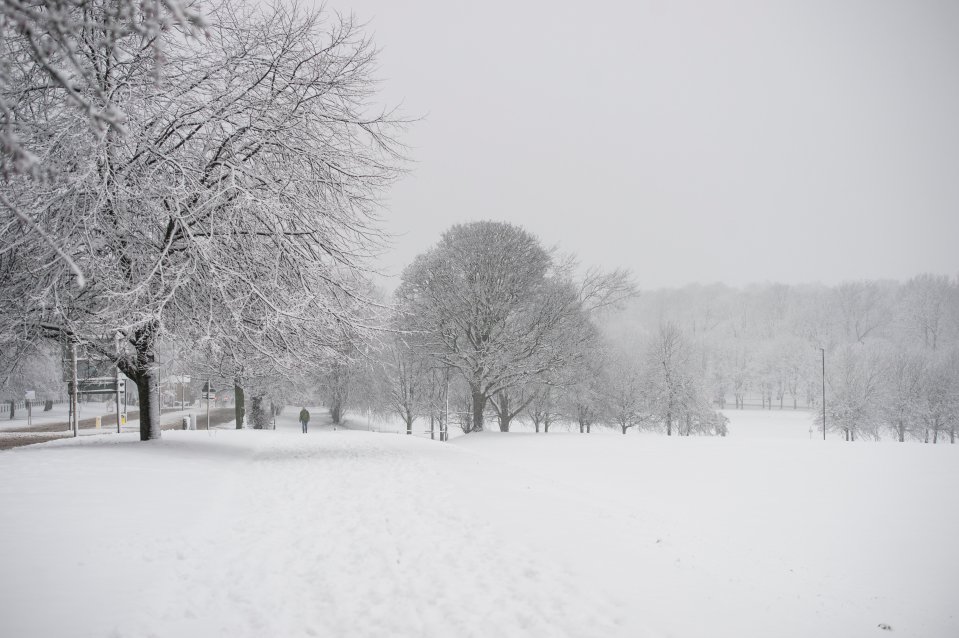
[(304, 416)]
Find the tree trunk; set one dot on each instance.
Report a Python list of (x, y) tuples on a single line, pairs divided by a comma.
[(545, 427), (479, 407), (409, 425), (336, 412), (148, 392), (669, 424), (587, 427), (239, 408), (257, 413), (624, 428), (902, 432), (144, 372)]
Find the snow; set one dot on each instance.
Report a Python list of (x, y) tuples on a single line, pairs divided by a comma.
[(356, 533), (59, 414)]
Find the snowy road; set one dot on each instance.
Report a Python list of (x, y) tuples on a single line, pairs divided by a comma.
[(360, 534)]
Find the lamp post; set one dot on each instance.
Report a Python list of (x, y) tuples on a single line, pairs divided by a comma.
[(823, 350)]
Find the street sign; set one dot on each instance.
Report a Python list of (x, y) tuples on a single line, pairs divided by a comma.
[(209, 392), (88, 368), (30, 395), (101, 385)]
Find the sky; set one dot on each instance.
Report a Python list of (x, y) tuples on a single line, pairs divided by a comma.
[(735, 142)]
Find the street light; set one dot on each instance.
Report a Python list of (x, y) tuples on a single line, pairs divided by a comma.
[(823, 393)]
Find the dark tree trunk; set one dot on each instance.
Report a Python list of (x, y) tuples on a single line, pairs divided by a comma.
[(409, 425), (479, 408), (257, 413), (148, 393), (624, 428), (587, 427), (336, 412), (143, 371), (545, 427), (669, 424), (239, 407), (902, 432)]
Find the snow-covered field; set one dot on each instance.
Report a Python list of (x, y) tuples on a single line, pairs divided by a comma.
[(353, 533)]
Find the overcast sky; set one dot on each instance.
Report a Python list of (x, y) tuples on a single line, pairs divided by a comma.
[(738, 141)]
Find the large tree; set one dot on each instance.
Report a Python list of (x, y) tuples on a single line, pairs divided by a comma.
[(500, 309), (243, 188)]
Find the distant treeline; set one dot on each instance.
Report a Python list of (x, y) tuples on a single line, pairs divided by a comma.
[(891, 349)]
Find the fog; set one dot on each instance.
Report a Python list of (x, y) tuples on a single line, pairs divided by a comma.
[(688, 141)]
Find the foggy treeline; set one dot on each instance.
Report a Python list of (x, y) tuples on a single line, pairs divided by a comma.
[(669, 360), (891, 349)]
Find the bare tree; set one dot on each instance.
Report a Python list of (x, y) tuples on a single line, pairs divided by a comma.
[(498, 310), (625, 389), (902, 390), (854, 380), (406, 379), (542, 410), (925, 300), (247, 180)]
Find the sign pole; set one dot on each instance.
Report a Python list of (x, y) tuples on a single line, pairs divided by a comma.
[(73, 391), (446, 420), (209, 389), (823, 393), (118, 399)]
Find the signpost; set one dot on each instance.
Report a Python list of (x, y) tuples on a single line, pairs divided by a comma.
[(209, 392), (118, 397)]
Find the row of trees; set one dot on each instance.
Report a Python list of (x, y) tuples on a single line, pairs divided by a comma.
[(217, 189), (890, 349), (466, 334), (880, 389), (490, 324)]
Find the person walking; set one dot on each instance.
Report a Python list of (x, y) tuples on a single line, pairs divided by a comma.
[(304, 419)]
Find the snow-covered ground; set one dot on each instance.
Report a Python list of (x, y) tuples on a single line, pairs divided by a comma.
[(59, 414), (354, 533)]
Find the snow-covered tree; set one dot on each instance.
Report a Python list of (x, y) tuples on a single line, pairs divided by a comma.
[(500, 310), (245, 180), (902, 390)]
